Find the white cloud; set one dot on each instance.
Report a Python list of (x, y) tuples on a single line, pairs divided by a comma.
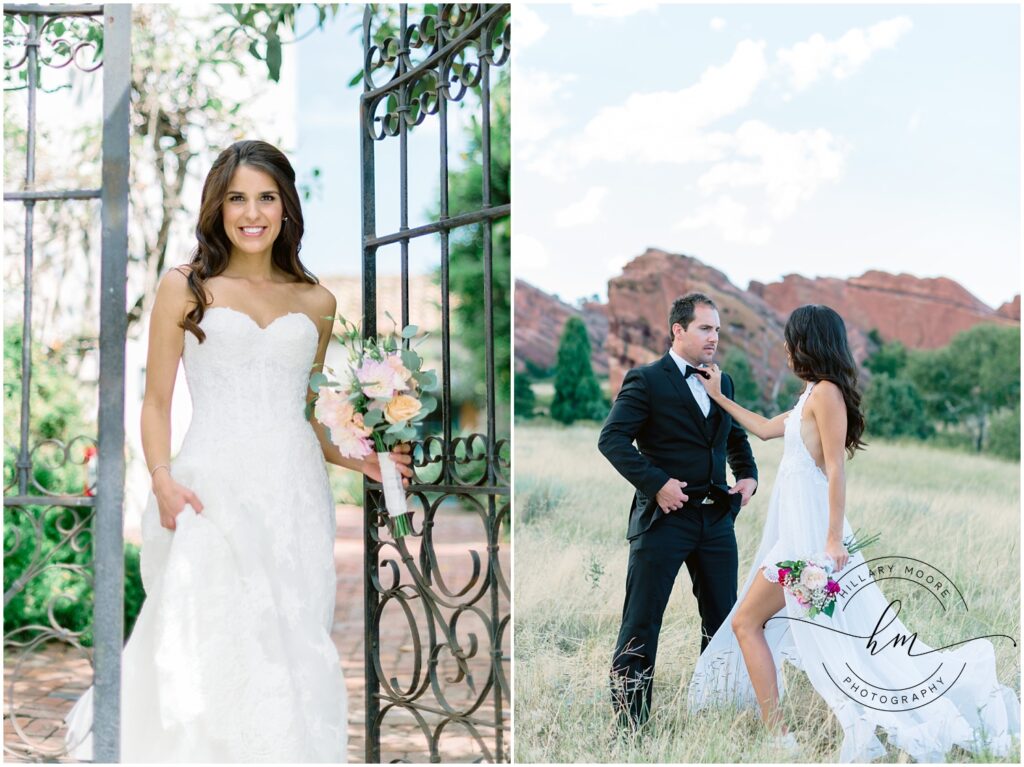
[(531, 256), (616, 10), (664, 126), (729, 218), (717, 24), (787, 166), (527, 27), (584, 211), (809, 60), (536, 96)]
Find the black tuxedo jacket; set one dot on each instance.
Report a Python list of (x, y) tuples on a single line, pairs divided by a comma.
[(656, 408)]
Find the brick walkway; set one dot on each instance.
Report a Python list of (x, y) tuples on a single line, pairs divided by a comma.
[(50, 681)]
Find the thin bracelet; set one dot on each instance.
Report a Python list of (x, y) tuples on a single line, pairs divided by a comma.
[(161, 466)]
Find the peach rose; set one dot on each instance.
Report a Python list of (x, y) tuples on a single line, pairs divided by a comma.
[(402, 407)]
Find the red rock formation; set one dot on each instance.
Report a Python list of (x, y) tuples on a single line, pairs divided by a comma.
[(640, 299), (921, 313), (539, 319), (1011, 309)]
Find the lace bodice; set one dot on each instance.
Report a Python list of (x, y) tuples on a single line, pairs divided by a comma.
[(248, 379), (795, 456)]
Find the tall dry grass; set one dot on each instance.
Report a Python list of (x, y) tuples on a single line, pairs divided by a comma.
[(960, 512)]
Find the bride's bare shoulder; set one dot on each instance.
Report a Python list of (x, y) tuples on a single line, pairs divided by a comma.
[(317, 300), (173, 293), (826, 394)]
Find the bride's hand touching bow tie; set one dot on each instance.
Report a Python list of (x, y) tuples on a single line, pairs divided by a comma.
[(712, 382)]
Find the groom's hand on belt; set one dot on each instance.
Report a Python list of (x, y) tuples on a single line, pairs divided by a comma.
[(744, 487), (671, 496)]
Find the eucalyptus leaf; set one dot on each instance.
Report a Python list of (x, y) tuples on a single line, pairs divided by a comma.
[(411, 360), (316, 381), (373, 417), (410, 330)]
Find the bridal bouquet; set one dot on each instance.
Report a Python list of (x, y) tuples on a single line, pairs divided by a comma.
[(810, 580), (376, 404)]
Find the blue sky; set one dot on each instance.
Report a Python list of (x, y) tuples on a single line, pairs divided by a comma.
[(767, 140), (327, 133)]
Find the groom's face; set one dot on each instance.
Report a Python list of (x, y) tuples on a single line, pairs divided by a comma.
[(699, 340)]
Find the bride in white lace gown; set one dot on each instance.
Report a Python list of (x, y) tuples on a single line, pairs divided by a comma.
[(231, 659), (922, 711)]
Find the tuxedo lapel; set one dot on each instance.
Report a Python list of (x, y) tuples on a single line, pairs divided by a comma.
[(682, 388), (720, 417)]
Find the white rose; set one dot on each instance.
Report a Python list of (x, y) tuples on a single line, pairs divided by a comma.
[(813, 577)]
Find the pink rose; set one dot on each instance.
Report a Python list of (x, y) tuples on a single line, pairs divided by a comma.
[(783, 572), (832, 587), (379, 380)]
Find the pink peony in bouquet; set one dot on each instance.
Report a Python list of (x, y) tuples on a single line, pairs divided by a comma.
[(810, 580), (377, 404)]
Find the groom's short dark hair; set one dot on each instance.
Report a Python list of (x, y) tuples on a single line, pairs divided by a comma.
[(683, 309)]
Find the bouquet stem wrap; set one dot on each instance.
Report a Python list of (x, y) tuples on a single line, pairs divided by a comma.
[(394, 495)]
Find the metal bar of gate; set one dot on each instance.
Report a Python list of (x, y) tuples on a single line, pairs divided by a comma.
[(108, 620), (369, 280)]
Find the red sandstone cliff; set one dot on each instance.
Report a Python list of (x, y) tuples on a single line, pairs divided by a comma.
[(539, 320), (633, 326), (922, 313), (640, 299), (1011, 309)]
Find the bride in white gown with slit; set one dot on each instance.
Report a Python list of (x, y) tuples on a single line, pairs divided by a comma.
[(962, 704), (231, 659)]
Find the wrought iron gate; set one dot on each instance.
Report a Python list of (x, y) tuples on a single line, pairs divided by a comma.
[(34, 510), (456, 678)]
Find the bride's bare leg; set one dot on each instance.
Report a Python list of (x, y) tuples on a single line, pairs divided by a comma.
[(762, 601)]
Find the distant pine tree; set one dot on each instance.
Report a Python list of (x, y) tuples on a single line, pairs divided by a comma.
[(525, 399), (577, 393), (746, 390)]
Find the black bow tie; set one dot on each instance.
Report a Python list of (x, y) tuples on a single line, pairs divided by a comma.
[(691, 370)]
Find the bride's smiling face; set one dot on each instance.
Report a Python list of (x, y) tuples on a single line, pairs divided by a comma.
[(252, 211)]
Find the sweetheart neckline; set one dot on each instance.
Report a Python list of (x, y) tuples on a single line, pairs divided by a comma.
[(264, 328)]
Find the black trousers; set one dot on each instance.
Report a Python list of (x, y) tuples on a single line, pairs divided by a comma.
[(705, 540)]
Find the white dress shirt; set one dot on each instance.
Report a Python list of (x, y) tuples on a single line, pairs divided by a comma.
[(699, 392)]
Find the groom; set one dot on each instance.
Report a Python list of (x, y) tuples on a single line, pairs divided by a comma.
[(683, 508)]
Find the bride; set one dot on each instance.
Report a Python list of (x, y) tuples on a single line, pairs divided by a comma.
[(231, 659), (806, 516)]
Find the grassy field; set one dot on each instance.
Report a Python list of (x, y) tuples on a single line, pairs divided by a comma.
[(957, 511)]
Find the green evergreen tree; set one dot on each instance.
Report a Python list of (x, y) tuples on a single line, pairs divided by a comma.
[(747, 392), (525, 399), (577, 393), (894, 408), (789, 391), (889, 359)]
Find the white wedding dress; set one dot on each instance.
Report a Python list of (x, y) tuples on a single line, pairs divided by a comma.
[(231, 659), (956, 711)]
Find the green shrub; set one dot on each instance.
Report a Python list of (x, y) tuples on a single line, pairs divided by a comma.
[(1004, 434), (525, 399), (52, 545), (893, 408)]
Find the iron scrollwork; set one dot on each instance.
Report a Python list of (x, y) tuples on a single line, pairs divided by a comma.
[(408, 73), (450, 682)]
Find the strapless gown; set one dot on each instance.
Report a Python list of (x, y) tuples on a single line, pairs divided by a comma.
[(231, 659)]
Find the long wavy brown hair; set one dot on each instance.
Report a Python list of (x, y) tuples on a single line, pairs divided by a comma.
[(816, 340), (213, 248)]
